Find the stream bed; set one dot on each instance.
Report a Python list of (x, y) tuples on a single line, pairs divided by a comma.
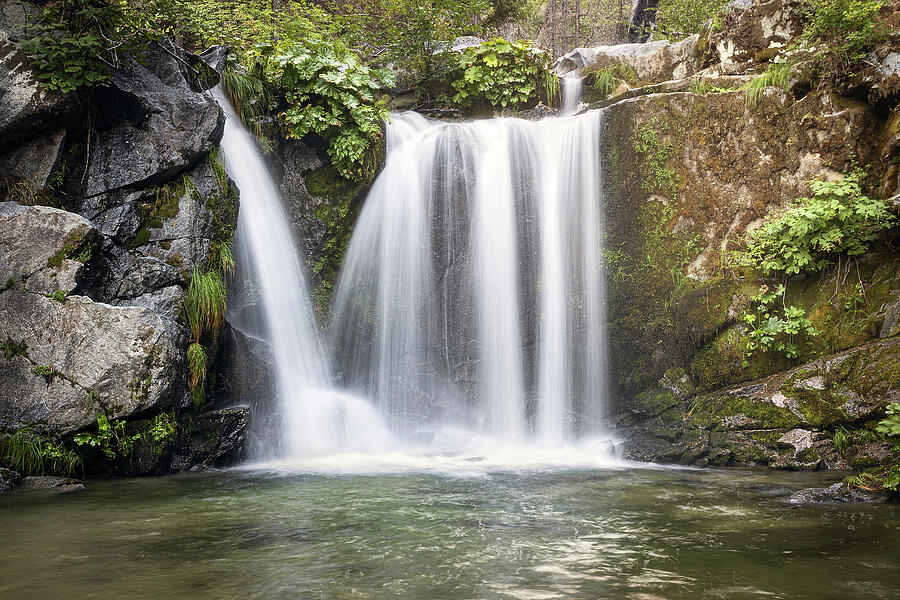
[(599, 533)]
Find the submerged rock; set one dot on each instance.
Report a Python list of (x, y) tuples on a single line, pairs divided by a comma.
[(42, 482), (839, 492)]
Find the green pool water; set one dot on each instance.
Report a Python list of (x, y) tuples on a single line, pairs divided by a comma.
[(602, 533)]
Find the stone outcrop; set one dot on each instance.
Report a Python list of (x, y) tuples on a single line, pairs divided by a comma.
[(91, 286), (652, 61), (783, 421)]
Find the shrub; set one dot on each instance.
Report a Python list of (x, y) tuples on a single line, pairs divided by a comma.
[(110, 438), (843, 32), (677, 19), (837, 219), (504, 74), (774, 327), (331, 93), (71, 44), (890, 425)]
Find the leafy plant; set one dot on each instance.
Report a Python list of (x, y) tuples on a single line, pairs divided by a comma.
[(500, 74), (110, 438), (890, 425), (32, 454), (58, 295), (161, 430), (45, 370), (12, 349), (842, 32), (72, 43), (774, 327), (837, 219), (331, 93)]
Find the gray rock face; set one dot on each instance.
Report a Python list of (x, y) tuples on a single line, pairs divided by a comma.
[(35, 161), (837, 493), (37, 244), (121, 360), (749, 30), (653, 62), (161, 125)]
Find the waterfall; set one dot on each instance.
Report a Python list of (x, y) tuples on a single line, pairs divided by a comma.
[(473, 292), (571, 93), (315, 418)]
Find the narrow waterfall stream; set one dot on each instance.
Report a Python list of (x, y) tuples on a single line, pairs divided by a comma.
[(473, 295), (316, 419)]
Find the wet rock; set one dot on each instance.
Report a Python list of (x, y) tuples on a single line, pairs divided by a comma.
[(838, 492), (213, 439), (891, 325), (8, 480), (43, 482), (215, 57), (37, 244), (75, 360), (157, 124), (653, 62), (244, 375)]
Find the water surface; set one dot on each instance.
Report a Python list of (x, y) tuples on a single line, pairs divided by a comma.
[(598, 533)]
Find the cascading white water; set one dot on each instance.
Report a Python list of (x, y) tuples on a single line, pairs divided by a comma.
[(473, 291), (571, 93), (316, 419)]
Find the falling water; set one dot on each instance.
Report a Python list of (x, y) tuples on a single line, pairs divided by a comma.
[(473, 290), (571, 93), (315, 419)]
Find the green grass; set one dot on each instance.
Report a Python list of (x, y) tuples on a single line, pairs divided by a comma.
[(204, 303), (221, 257), (776, 75), (196, 356), (31, 454)]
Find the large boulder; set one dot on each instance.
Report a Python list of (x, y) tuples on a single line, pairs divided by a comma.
[(66, 362), (653, 62), (40, 246), (155, 124), (754, 32)]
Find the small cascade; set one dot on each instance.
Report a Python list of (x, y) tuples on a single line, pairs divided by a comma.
[(315, 418), (472, 295), (571, 94)]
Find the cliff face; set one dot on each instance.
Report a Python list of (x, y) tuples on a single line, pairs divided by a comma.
[(109, 199), (690, 166)]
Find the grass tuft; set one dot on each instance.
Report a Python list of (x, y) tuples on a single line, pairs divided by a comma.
[(776, 75), (204, 303)]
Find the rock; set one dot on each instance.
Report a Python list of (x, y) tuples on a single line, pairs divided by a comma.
[(34, 162), (214, 439), (8, 480), (37, 244), (653, 62), (215, 57), (117, 360), (60, 484), (26, 109), (838, 492), (244, 374), (157, 125), (802, 454), (754, 32), (891, 325)]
